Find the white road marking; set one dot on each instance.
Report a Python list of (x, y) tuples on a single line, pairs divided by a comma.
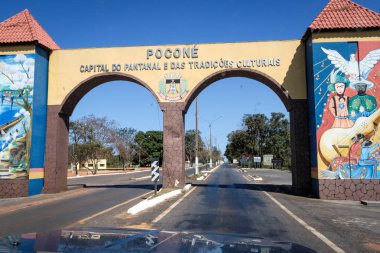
[(305, 225), (210, 171), (163, 214), (141, 178), (110, 209), (247, 178)]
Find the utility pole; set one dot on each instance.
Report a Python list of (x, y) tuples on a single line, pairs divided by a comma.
[(210, 147), (196, 137), (209, 125)]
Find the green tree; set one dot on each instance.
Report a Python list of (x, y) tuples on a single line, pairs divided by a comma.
[(75, 139), (98, 128), (149, 145), (90, 139), (94, 151), (124, 144), (257, 128), (238, 145), (260, 135), (278, 141)]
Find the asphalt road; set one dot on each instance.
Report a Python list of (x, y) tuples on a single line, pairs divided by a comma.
[(115, 179), (74, 206), (228, 201), (111, 179), (225, 203), (43, 212), (270, 176)]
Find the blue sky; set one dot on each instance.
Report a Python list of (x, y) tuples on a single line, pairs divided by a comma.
[(103, 23)]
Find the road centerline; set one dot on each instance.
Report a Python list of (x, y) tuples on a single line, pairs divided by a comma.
[(163, 214), (108, 209)]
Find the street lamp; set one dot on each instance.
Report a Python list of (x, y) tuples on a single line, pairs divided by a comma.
[(209, 125)]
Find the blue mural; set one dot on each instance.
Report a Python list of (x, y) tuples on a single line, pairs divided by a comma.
[(16, 94)]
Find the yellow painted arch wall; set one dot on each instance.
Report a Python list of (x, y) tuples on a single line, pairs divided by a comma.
[(67, 68)]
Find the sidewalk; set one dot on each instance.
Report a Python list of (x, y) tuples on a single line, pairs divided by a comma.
[(71, 173)]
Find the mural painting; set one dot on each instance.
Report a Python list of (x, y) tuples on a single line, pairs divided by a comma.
[(347, 102), (16, 97)]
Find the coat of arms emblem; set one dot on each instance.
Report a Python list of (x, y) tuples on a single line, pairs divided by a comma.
[(172, 87)]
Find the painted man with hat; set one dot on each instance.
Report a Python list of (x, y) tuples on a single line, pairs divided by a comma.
[(338, 105), (362, 104)]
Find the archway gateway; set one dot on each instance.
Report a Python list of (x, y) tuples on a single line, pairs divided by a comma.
[(318, 79), (175, 75)]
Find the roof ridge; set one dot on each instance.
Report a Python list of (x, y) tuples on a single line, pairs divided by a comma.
[(363, 7), (339, 14), (29, 23), (326, 9), (23, 28)]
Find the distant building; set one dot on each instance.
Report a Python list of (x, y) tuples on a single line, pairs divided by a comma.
[(101, 165)]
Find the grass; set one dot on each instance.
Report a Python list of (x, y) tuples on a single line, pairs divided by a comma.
[(194, 176)]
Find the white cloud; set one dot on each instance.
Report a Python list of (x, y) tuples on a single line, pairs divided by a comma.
[(22, 111), (29, 62), (20, 58), (17, 74)]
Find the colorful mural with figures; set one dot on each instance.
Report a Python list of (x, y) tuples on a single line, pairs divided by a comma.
[(347, 102), (16, 97)]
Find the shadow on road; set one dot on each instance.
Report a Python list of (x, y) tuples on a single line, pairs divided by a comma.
[(287, 189), (131, 186)]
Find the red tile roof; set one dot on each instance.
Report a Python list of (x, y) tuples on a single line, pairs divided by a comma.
[(23, 28), (345, 14)]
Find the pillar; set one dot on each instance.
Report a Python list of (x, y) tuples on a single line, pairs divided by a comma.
[(301, 171), (56, 150), (174, 145)]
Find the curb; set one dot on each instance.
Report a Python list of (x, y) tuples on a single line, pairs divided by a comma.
[(200, 178), (257, 178), (370, 203), (210, 171), (108, 174), (207, 173), (147, 203)]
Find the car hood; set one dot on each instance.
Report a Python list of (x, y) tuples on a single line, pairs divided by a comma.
[(105, 240)]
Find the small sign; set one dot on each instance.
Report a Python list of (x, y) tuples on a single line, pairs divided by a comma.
[(257, 159), (155, 173), (277, 161), (267, 160)]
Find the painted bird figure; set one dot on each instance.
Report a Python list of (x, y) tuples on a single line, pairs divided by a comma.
[(353, 70)]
